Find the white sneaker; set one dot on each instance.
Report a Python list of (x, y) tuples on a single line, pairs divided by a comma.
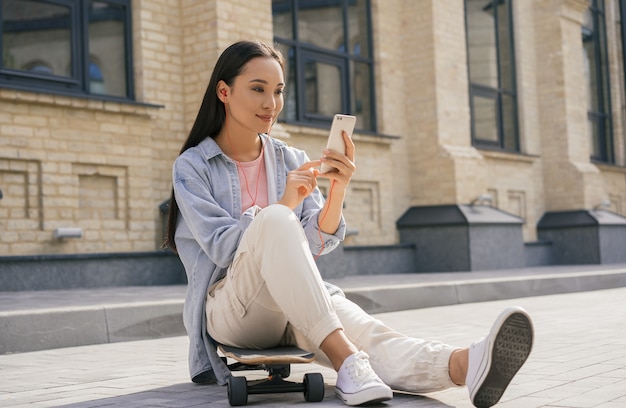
[(358, 384), (494, 360)]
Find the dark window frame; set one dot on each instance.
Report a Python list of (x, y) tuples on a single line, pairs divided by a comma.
[(602, 118), (302, 50), (496, 94), (79, 82), (622, 12)]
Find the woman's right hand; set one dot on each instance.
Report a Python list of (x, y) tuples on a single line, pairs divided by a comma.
[(300, 183)]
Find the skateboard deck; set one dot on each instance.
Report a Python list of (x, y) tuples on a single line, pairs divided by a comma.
[(275, 355)]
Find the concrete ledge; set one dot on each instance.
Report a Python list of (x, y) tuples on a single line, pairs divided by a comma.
[(145, 321), (32, 330), (47, 329), (40, 320), (391, 298)]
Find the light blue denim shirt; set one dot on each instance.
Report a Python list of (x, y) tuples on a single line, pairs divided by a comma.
[(211, 223)]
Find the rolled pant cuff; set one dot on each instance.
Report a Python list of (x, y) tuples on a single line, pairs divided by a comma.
[(318, 333), (442, 367)]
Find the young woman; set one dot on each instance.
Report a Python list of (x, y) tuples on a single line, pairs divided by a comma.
[(247, 220)]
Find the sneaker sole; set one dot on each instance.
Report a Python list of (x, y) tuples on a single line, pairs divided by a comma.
[(364, 397), (509, 350)]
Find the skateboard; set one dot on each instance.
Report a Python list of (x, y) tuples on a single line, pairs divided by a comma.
[(277, 362)]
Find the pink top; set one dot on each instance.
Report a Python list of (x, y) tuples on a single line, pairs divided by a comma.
[(253, 181)]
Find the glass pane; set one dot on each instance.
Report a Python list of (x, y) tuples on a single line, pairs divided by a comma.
[(621, 43), (321, 23), (485, 119), (607, 139), (357, 28), (509, 123), (602, 66), (282, 18), (600, 137), (107, 49), (289, 110), (322, 84), (361, 95), (36, 37), (598, 92), (481, 43), (505, 41), (590, 69), (594, 138)]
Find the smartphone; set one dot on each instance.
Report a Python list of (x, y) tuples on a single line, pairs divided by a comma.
[(335, 139)]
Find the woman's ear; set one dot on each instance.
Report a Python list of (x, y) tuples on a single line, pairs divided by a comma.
[(222, 91)]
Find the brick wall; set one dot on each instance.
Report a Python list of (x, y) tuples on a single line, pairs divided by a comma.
[(69, 162), (105, 167)]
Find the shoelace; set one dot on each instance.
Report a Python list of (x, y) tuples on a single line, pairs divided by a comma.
[(361, 371)]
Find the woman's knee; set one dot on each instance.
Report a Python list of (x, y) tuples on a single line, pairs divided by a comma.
[(276, 210), (279, 219)]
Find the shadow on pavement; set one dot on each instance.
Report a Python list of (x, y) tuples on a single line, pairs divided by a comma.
[(194, 395)]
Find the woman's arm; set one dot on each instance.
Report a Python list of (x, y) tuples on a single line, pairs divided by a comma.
[(340, 176), (205, 208), (311, 209)]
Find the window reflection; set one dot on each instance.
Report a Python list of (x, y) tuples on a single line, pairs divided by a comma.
[(491, 64), (322, 88), (106, 42), (357, 28), (485, 118), (282, 17), (595, 67), (620, 5), (290, 108), (361, 94), (36, 37), (71, 45), (96, 79), (329, 66), (321, 24), (481, 44), (39, 67)]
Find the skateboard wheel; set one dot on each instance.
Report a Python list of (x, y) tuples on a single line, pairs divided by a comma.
[(237, 391), (313, 387)]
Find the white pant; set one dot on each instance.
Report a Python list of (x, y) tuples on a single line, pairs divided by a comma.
[(273, 295)]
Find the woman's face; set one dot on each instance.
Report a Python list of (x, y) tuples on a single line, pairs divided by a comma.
[(255, 98)]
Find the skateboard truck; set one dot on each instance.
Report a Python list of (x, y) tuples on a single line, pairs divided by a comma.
[(276, 362)]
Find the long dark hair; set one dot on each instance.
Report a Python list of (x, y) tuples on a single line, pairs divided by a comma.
[(212, 113)]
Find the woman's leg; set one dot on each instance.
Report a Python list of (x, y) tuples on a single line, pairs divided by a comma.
[(272, 280), (402, 362), (416, 365)]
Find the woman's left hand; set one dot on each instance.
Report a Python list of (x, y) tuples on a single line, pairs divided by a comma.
[(343, 165)]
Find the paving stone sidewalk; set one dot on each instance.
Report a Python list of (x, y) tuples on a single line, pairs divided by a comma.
[(579, 360)]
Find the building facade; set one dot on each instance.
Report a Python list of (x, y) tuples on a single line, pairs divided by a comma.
[(516, 105)]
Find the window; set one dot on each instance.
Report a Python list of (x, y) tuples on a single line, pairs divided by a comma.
[(327, 47), (491, 62), (620, 7), (621, 33), (67, 46), (596, 66)]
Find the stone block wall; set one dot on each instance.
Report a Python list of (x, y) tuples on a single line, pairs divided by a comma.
[(105, 166), (69, 162)]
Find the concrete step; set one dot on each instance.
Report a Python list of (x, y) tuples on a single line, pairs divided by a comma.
[(40, 320)]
